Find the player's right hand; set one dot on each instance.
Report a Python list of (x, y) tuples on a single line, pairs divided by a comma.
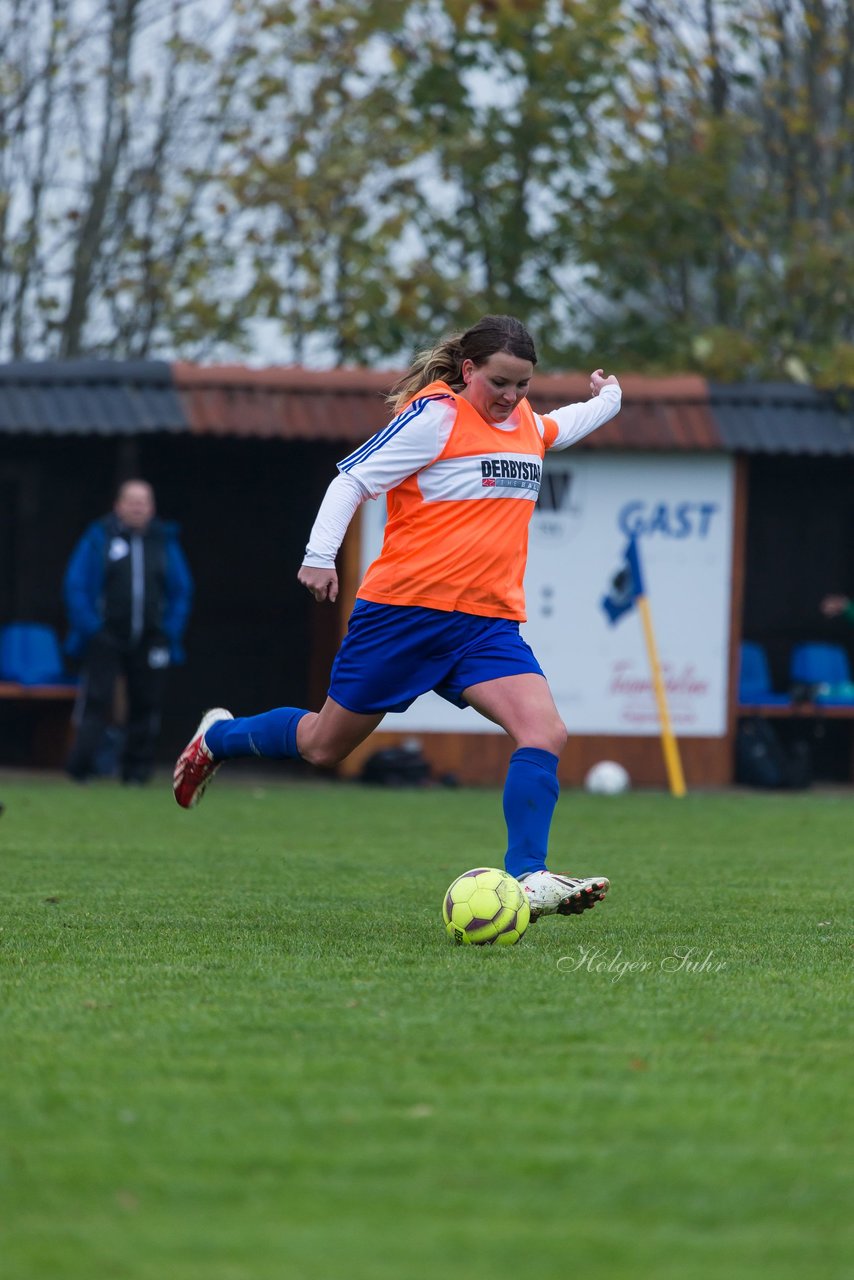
[(322, 583)]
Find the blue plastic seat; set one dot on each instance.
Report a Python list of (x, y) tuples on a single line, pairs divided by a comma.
[(30, 654), (824, 668), (754, 679)]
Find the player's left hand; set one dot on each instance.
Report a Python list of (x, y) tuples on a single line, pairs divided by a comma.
[(598, 381)]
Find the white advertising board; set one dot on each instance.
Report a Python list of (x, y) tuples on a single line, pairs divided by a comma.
[(680, 507)]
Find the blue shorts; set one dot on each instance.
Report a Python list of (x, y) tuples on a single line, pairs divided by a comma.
[(394, 653)]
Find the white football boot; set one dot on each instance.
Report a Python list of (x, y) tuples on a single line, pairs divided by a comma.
[(196, 766), (550, 894)]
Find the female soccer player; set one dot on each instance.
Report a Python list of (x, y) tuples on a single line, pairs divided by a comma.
[(440, 607)]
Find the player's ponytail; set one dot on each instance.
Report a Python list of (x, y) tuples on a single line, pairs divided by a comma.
[(436, 364), (444, 362)]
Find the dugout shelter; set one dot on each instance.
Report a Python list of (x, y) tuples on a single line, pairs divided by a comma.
[(742, 498)]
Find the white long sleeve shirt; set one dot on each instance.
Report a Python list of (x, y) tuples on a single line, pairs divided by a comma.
[(412, 442)]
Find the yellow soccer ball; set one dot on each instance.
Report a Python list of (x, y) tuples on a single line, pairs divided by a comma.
[(485, 906)]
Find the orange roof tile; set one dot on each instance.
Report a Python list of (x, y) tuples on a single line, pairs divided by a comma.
[(348, 405)]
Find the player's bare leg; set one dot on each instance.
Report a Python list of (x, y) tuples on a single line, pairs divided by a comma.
[(326, 737)]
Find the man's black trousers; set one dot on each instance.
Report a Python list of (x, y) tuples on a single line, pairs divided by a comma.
[(145, 666)]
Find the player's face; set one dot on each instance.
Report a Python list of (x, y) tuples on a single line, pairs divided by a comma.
[(497, 386)]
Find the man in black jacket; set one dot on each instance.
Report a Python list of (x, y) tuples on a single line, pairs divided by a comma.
[(128, 591)]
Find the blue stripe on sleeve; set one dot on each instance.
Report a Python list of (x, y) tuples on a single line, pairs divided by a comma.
[(409, 414)]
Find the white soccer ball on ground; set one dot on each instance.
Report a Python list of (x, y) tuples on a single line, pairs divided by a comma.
[(607, 778)]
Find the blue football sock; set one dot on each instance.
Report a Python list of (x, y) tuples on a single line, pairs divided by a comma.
[(530, 795), (273, 734)]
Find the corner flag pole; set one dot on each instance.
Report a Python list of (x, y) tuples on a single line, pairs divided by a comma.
[(627, 590), (669, 745)]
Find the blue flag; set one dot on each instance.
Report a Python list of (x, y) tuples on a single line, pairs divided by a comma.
[(626, 584)]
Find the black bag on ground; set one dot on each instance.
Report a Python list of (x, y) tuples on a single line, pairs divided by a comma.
[(396, 767), (761, 760)]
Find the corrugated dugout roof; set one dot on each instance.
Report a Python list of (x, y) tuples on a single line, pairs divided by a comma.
[(298, 404), (348, 405), (657, 413), (86, 397), (782, 417), (680, 412)]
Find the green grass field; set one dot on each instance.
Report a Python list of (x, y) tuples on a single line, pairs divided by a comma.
[(236, 1044)]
